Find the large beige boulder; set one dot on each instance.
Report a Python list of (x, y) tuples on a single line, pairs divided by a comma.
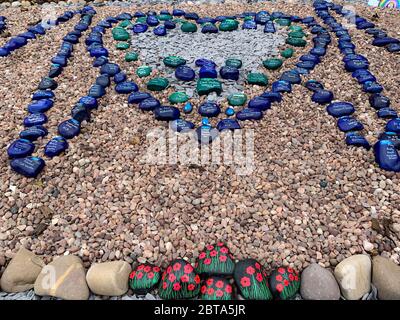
[(354, 276), (109, 278), (63, 278), (386, 278), (21, 272)]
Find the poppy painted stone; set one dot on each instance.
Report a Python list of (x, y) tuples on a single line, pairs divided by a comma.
[(215, 260), (257, 79), (166, 113), (181, 125), (178, 97), (143, 71), (348, 123), (188, 27), (228, 25), (55, 146), (249, 114), (287, 53), (33, 133), (149, 104), (260, 103), (379, 101), (137, 97), (322, 96), (40, 106), (103, 80), (139, 27), (131, 56), (120, 77), (209, 109), (179, 281), (387, 113), (47, 83), (386, 155), (110, 68), (216, 288), (126, 87), (43, 94), (237, 99), (393, 125), (69, 128), (20, 148), (356, 139), (251, 280), (35, 119), (340, 109), (232, 62), (313, 85), (284, 283), (208, 85), (29, 166), (228, 124), (157, 84), (272, 64), (185, 73), (281, 86), (144, 278)]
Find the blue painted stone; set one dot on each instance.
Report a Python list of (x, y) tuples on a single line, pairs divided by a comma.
[(47, 83), (96, 91), (269, 27), (104, 24), (259, 103), (357, 140), (281, 86), (309, 65), (291, 76), (349, 57), (4, 52), (169, 24), (249, 24), (249, 114), (365, 25), (124, 16), (230, 73), (126, 87), (392, 136), (381, 42), (185, 73), (35, 119), (348, 123), (206, 134), (272, 96), (340, 109), (28, 35), (322, 96), (262, 17), (99, 52), (318, 51), (160, 30), (205, 121), (100, 61), (55, 71), (363, 76), (353, 65), (181, 125), (372, 87), (139, 27), (55, 146), (379, 101), (37, 29), (33, 133), (206, 20), (205, 62), (71, 38), (29, 167), (80, 113), (40, 106), (120, 77), (228, 124), (191, 16), (88, 102), (345, 45), (149, 104), (110, 68), (69, 128), (20, 148), (152, 21), (207, 71), (209, 28), (103, 80), (229, 111), (393, 47), (386, 155), (209, 109), (188, 108), (15, 43), (310, 57), (43, 94), (178, 12), (393, 125), (137, 97), (387, 113), (166, 113)]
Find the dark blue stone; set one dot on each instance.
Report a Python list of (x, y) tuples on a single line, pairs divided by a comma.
[(185, 73), (386, 155), (191, 16), (103, 80), (262, 17), (69, 128), (80, 113), (99, 52), (149, 104), (392, 136), (96, 91), (205, 62), (281, 86), (363, 76), (15, 43), (387, 113), (35, 119), (393, 125), (353, 65), (318, 51), (152, 21), (269, 27), (124, 16), (169, 24), (120, 77), (357, 140), (28, 35), (310, 57), (340, 109), (381, 42), (209, 28), (272, 96), (110, 68), (206, 20), (393, 47), (40, 106), (372, 87), (322, 96), (309, 65), (230, 73), (178, 12), (20, 148), (71, 38), (209, 109), (208, 71), (379, 101), (292, 77), (37, 29), (4, 52), (88, 102), (249, 114), (349, 57), (139, 27), (126, 87), (43, 94), (160, 31), (55, 71), (137, 97), (33, 133), (228, 124), (260, 103), (29, 167), (348, 123), (249, 24), (47, 83), (166, 113), (181, 125)]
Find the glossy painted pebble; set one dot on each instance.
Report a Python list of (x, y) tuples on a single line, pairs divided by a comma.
[(110, 68), (230, 73), (149, 104), (313, 85), (166, 113), (216, 288), (144, 278), (88, 102), (347, 123), (379, 101), (209, 109), (40, 106), (322, 96), (208, 85), (20, 148), (249, 114), (180, 125), (47, 83), (185, 73), (356, 139), (237, 99), (284, 283), (259, 103), (387, 113), (229, 111), (43, 94), (69, 128), (137, 97), (340, 109), (386, 155), (187, 108), (33, 133), (131, 56), (228, 124), (273, 63), (393, 125), (103, 80), (257, 79), (208, 71), (281, 86), (35, 119), (392, 136), (232, 62), (55, 146), (96, 91), (126, 87), (178, 97), (157, 84), (291, 76), (143, 71), (29, 166)]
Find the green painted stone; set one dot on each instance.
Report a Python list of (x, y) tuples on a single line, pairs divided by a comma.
[(120, 34), (283, 22), (131, 56), (215, 260), (272, 64), (296, 34), (228, 25), (284, 283), (208, 85), (143, 71), (235, 63), (179, 20), (157, 84), (164, 17), (188, 27), (178, 97), (237, 99), (296, 42), (141, 20), (287, 53), (124, 24), (144, 278), (174, 61), (295, 28), (248, 18), (257, 78), (122, 45)]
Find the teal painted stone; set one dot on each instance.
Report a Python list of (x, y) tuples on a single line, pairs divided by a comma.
[(131, 56), (174, 61), (295, 28), (257, 78), (141, 20), (164, 17), (296, 34), (208, 85), (157, 84), (296, 42), (287, 53), (120, 34), (237, 99), (188, 27), (272, 64), (122, 45), (283, 22), (228, 25), (124, 24), (178, 97), (143, 71), (235, 63)]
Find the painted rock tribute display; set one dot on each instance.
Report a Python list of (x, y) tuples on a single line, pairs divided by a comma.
[(216, 288), (144, 278), (284, 283), (215, 260)]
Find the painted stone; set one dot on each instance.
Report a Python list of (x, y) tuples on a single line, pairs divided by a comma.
[(69, 128), (393, 125), (188, 108), (20, 148), (284, 283), (272, 64), (291, 76), (100, 61), (110, 68), (386, 155), (179, 281), (47, 83), (149, 104), (169, 25), (392, 136), (55, 146), (281, 86), (188, 27), (340, 109), (249, 114), (96, 91), (166, 113), (43, 94), (35, 119), (205, 62), (283, 22), (126, 87), (228, 25), (372, 87), (287, 53), (174, 61), (379, 101), (40, 106), (160, 31), (230, 73), (313, 85), (322, 96), (137, 97), (103, 80), (269, 27), (80, 113), (140, 27), (143, 71), (208, 85), (185, 73), (348, 123), (257, 79), (251, 280), (228, 124), (232, 62), (259, 103), (152, 20), (209, 28), (122, 46), (178, 97), (120, 77), (229, 111), (387, 113), (144, 278), (296, 42), (357, 140), (272, 96), (120, 34), (29, 166), (33, 133), (249, 24), (216, 288), (237, 99), (180, 125), (157, 84)]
